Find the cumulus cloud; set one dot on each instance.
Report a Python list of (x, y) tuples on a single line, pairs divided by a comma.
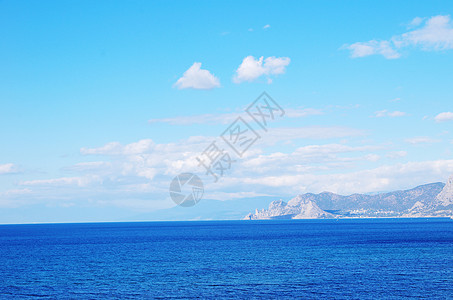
[(432, 34), (137, 174), (266, 26), (252, 68), (382, 178), (445, 116), (310, 159), (436, 34), (197, 78), (386, 113), (8, 169)]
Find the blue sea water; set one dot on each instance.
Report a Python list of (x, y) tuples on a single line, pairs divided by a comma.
[(354, 259)]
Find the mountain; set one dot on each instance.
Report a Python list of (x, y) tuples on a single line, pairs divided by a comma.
[(435, 199), (445, 197), (397, 200), (296, 208)]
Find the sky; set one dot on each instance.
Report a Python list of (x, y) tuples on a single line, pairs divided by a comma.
[(103, 103)]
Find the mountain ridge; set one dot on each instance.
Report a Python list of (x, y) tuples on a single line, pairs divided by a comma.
[(427, 200)]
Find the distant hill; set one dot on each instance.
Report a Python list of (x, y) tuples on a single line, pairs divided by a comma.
[(435, 199), (445, 198)]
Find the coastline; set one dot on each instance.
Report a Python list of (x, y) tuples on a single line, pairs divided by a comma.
[(224, 220)]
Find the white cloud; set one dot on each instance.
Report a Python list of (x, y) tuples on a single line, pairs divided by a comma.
[(416, 22), (195, 144), (8, 169), (386, 113), (197, 78), (383, 178), (115, 148), (435, 34), (362, 49), (445, 116), (137, 174), (63, 181), (310, 158), (421, 140), (266, 26), (15, 192), (134, 175), (146, 161), (372, 157), (252, 68), (397, 154), (284, 183)]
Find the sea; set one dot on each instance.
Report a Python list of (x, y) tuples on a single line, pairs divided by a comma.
[(281, 259)]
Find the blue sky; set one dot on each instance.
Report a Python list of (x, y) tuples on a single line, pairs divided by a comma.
[(93, 115)]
